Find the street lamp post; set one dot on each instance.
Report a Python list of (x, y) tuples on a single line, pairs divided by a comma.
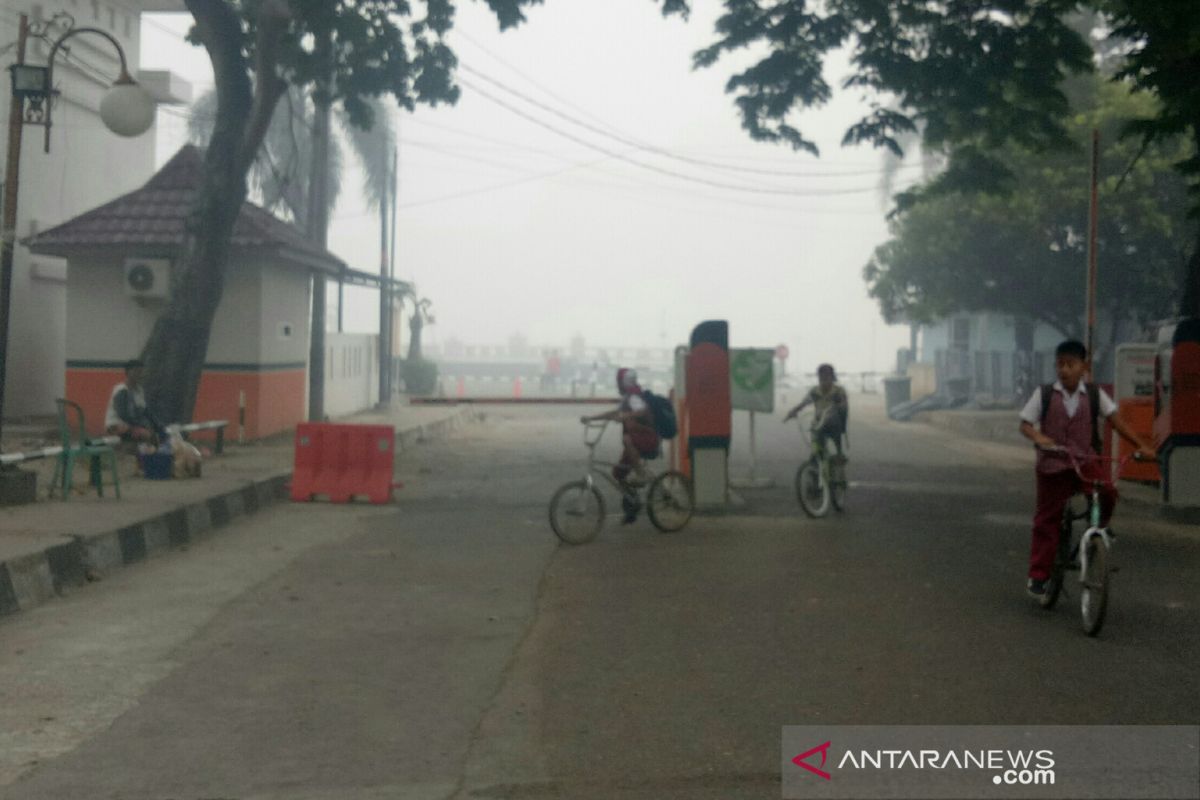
[(127, 110)]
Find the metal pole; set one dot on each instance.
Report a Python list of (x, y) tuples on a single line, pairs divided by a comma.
[(753, 450), (8, 229), (318, 229), (385, 298), (1093, 225)]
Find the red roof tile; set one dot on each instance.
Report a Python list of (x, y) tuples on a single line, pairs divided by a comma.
[(155, 216)]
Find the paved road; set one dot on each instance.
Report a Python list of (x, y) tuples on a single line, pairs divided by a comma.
[(447, 647)]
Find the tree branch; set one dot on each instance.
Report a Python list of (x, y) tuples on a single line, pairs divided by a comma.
[(220, 31), (273, 19)]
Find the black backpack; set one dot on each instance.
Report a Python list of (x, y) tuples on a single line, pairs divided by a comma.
[(1093, 396), (665, 424)]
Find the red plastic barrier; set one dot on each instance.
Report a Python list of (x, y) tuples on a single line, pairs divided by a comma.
[(343, 462)]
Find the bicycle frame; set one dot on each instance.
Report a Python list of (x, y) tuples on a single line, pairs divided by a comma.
[(596, 466), (1095, 483), (816, 445)]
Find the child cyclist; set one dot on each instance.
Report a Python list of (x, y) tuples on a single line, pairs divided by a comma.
[(1067, 414), (639, 440), (830, 406)]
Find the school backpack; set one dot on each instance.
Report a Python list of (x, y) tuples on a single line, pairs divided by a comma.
[(663, 412), (1093, 396)]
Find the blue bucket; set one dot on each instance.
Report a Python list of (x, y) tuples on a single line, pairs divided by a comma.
[(158, 466)]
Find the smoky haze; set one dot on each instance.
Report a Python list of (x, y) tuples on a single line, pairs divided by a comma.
[(510, 227)]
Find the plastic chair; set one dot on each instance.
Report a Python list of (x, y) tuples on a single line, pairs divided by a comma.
[(99, 455)]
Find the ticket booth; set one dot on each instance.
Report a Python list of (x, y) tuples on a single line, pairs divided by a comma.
[(1177, 414), (1133, 392)]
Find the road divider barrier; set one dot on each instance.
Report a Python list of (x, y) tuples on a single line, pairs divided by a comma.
[(341, 462)]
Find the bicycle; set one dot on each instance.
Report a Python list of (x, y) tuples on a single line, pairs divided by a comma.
[(577, 510), (821, 480), (1089, 554)]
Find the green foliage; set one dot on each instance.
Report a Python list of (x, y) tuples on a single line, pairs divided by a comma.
[(420, 376), (988, 70), (1023, 252)]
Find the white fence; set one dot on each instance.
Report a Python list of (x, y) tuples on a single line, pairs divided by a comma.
[(351, 373)]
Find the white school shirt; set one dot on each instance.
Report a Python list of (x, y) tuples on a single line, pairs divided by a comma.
[(1032, 412)]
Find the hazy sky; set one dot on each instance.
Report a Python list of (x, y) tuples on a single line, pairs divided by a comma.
[(509, 226)]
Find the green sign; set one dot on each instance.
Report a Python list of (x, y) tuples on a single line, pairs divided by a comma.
[(752, 379)]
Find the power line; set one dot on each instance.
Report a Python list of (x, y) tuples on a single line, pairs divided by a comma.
[(662, 170), (652, 148)]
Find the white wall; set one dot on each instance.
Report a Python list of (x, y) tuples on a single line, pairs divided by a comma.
[(284, 313), (86, 167), (351, 373), (106, 324)]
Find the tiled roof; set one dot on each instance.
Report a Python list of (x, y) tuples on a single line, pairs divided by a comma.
[(154, 216)]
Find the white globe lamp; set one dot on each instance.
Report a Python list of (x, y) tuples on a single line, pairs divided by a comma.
[(127, 109)]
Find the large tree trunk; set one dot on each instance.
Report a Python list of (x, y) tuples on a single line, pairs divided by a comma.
[(176, 349)]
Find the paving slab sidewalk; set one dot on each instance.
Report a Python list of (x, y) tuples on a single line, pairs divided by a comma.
[(50, 545)]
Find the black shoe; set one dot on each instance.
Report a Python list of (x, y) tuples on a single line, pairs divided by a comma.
[(630, 505), (1036, 589)]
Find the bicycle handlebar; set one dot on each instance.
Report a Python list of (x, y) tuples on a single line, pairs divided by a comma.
[(1091, 457)]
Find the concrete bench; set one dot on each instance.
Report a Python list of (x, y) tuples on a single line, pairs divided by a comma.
[(51, 452), (217, 425)]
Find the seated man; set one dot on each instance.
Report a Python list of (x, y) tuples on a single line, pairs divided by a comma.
[(127, 415)]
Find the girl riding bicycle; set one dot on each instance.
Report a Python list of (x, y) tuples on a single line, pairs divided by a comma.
[(640, 440)]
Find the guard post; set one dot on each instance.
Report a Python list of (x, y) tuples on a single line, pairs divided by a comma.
[(709, 412)]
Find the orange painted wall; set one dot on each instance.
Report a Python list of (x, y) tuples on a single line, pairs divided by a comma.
[(274, 400)]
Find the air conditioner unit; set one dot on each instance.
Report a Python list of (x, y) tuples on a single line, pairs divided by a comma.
[(147, 277)]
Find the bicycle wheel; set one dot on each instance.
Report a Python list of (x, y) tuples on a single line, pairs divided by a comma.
[(1093, 587), (577, 512), (837, 485), (811, 491), (669, 502)]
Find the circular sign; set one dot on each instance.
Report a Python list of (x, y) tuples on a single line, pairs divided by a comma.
[(750, 372), (782, 352)]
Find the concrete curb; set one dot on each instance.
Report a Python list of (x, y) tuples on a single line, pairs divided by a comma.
[(27, 581)]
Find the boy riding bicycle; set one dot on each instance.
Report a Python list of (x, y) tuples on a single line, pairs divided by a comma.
[(1069, 414), (830, 409)]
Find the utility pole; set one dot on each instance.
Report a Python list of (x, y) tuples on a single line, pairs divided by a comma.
[(318, 226), (385, 290), (8, 229), (1093, 225)]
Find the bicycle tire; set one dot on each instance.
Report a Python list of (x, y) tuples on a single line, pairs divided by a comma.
[(1094, 585), (670, 491), (837, 487), (814, 504), (592, 521)]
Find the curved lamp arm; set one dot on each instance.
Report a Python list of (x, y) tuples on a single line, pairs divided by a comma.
[(123, 79)]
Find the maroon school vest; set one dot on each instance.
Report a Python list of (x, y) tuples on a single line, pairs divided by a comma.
[(1073, 433)]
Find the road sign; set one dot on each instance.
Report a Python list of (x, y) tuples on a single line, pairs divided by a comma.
[(782, 352), (752, 379)]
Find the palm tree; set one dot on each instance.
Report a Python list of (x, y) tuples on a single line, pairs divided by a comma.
[(281, 172)]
